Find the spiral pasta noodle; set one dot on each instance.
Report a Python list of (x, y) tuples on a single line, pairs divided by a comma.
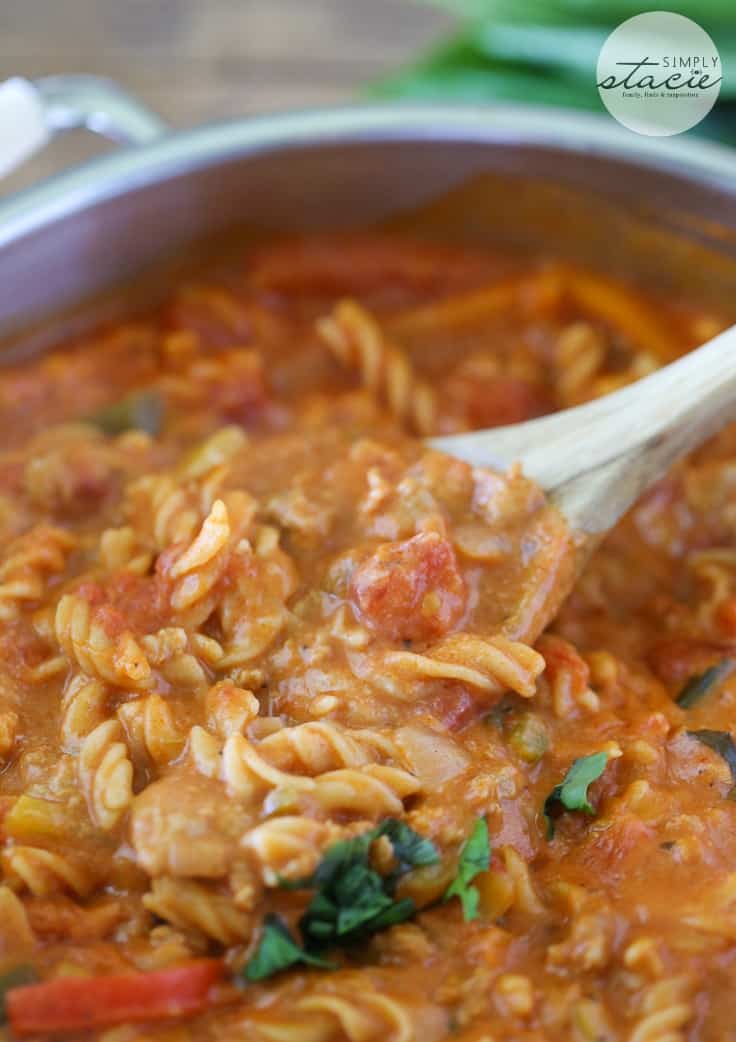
[(288, 847), (151, 733), (665, 1012), (28, 564), (357, 341), (106, 774), (489, 665), (45, 873), (318, 747), (191, 905), (83, 708), (82, 636)]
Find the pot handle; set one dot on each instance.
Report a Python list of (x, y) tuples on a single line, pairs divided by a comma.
[(34, 111)]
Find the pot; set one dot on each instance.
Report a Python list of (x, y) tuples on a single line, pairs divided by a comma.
[(658, 210)]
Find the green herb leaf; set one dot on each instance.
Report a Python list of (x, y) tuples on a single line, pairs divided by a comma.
[(352, 905), (398, 912), (142, 410), (277, 950), (475, 857), (698, 687), (352, 900), (359, 897), (410, 849), (18, 977), (722, 743), (572, 793), (339, 859)]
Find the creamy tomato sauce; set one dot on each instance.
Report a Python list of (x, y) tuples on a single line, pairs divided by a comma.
[(286, 751)]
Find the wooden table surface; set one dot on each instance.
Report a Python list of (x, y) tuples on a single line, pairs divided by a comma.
[(198, 60)]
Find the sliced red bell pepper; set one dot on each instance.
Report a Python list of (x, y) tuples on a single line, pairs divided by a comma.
[(82, 1003)]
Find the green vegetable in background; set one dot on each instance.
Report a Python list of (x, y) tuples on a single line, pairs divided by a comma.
[(545, 52), (572, 792), (475, 857)]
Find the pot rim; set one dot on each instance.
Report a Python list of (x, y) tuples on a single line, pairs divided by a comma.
[(177, 152)]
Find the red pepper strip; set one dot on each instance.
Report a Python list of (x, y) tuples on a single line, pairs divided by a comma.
[(82, 1003)]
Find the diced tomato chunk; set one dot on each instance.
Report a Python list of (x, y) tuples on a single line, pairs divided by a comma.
[(128, 602), (410, 590)]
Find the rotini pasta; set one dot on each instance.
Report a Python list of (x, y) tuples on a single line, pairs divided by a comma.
[(27, 566), (193, 906), (357, 341), (106, 774), (83, 637), (296, 741), (44, 872)]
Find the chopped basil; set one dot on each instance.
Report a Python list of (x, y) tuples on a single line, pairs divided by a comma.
[(141, 410), (18, 977), (722, 743), (698, 687), (475, 857), (354, 906), (277, 950), (410, 849), (351, 899), (572, 793)]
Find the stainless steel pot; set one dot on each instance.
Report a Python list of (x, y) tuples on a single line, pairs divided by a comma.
[(659, 209)]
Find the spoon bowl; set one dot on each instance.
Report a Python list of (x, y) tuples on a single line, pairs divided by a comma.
[(596, 459)]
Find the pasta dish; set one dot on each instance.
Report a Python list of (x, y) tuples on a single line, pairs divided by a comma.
[(297, 743)]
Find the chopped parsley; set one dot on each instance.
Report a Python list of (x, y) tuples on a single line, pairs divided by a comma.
[(351, 900), (572, 792), (699, 686), (722, 743), (475, 857)]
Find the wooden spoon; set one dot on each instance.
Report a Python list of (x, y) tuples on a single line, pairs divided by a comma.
[(596, 459)]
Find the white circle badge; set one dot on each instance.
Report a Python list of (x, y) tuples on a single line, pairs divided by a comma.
[(659, 73)]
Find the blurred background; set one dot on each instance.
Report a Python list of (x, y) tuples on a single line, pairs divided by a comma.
[(198, 60)]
